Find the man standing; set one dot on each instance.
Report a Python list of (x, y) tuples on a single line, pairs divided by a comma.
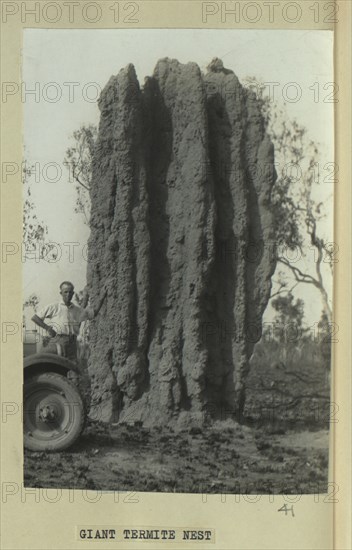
[(66, 319)]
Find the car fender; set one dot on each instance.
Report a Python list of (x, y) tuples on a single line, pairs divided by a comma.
[(46, 362)]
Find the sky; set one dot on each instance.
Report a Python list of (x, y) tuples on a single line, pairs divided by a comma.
[(63, 72)]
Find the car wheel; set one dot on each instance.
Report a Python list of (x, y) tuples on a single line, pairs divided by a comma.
[(53, 415)]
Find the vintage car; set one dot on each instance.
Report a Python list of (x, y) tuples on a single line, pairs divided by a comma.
[(53, 409)]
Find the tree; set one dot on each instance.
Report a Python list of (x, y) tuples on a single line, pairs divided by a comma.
[(35, 231), (289, 311), (324, 340), (290, 367), (297, 212), (288, 328), (32, 301), (78, 160)]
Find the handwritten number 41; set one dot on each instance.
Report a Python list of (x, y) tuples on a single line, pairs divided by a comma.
[(286, 509)]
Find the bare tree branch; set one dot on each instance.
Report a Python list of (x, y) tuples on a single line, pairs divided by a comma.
[(78, 160), (298, 274)]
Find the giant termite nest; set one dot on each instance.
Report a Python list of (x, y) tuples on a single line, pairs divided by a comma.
[(181, 186)]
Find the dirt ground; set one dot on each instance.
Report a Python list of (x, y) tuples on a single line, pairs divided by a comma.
[(223, 458)]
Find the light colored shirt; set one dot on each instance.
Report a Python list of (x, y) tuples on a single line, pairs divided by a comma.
[(65, 319)]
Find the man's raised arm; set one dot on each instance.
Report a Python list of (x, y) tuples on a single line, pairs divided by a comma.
[(92, 311), (102, 297)]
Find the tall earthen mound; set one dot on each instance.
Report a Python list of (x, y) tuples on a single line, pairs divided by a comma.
[(180, 219)]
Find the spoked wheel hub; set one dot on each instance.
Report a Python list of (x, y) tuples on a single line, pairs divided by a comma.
[(53, 412)]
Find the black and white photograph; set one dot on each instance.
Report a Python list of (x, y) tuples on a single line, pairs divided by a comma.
[(178, 256)]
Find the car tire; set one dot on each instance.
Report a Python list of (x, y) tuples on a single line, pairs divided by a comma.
[(53, 413)]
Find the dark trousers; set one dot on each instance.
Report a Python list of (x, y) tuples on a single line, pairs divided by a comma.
[(67, 344)]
